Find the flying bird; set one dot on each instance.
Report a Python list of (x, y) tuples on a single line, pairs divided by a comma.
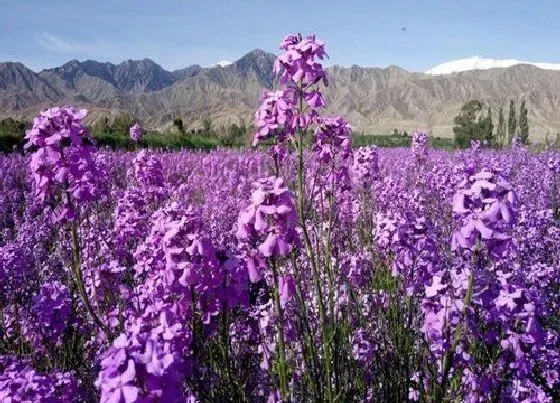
[(403, 29)]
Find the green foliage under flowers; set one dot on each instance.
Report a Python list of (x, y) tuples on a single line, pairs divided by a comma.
[(166, 141), (380, 140)]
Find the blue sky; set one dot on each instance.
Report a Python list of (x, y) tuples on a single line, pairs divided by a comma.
[(177, 33)]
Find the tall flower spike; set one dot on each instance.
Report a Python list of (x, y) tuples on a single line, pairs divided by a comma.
[(485, 208), (366, 165), (298, 62), (269, 222), (275, 116), (63, 163), (420, 144)]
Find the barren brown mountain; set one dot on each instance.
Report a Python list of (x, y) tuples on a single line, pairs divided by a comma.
[(374, 100)]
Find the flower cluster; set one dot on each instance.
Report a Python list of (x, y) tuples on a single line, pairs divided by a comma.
[(485, 207), (366, 165), (62, 164), (21, 383), (333, 137), (135, 132), (137, 367), (275, 116), (269, 222), (475, 144), (282, 112), (419, 144), (148, 170), (298, 62), (50, 311)]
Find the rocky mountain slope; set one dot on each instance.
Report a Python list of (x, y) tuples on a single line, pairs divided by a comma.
[(374, 100)]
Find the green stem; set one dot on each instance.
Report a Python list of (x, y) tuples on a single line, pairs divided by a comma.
[(448, 359), (78, 277), (311, 256), (282, 370), (309, 352)]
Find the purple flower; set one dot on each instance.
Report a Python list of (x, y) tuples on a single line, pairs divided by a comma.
[(148, 169), (51, 311), (366, 165), (485, 208), (333, 136), (62, 165), (19, 382), (269, 222), (287, 289), (298, 62), (135, 132), (275, 117), (119, 388), (420, 144)]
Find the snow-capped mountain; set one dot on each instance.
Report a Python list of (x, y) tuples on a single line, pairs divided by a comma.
[(480, 63), (223, 63)]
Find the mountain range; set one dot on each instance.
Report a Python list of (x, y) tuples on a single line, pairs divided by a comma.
[(373, 100)]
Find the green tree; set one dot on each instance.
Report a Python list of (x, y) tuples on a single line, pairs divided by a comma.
[(207, 126), (396, 132), (501, 130), (466, 127), (512, 122), (122, 124), (102, 126), (235, 136), (486, 128), (12, 127), (523, 123), (178, 123)]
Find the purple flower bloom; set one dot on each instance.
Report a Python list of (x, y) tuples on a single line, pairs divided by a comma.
[(485, 208), (62, 165), (135, 132), (298, 62), (148, 170), (420, 144), (275, 117), (19, 382), (51, 311), (269, 221), (366, 165)]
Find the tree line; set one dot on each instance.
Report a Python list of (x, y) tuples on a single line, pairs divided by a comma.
[(115, 134), (474, 122)]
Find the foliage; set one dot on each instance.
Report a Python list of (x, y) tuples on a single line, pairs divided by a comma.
[(466, 126), (178, 123), (523, 124), (207, 125), (501, 133), (11, 134), (512, 122)]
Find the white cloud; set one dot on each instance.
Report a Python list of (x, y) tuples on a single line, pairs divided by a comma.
[(57, 44), (480, 63)]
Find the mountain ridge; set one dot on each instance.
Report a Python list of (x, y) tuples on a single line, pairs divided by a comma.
[(373, 99)]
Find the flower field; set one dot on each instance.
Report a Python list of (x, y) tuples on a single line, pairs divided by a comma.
[(305, 270)]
